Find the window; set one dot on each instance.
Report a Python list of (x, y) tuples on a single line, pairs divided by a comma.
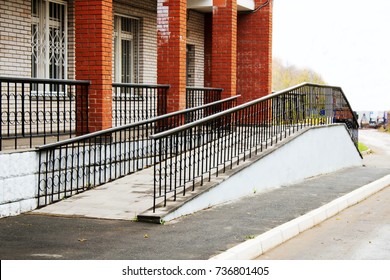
[(49, 39), (126, 50)]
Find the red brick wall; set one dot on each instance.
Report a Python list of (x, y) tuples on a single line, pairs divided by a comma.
[(171, 50), (94, 57), (254, 55), (224, 46)]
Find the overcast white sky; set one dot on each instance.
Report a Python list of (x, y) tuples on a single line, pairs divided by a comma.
[(346, 41)]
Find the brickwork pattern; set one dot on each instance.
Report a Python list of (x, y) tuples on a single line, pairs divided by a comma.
[(145, 11), (15, 38), (224, 46), (71, 41), (254, 56), (94, 29), (171, 41), (195, 37), (208, 27)]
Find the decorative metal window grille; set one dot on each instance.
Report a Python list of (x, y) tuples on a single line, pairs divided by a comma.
[(49, 39), (126, 50)]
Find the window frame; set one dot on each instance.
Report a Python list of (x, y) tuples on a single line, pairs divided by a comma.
[(119, 37), (42, 47)]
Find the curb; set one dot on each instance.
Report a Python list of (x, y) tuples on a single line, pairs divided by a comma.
[(253, 248)]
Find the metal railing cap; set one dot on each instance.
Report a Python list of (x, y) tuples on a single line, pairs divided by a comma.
[(39, 80), (204, 88), (140, 85), (143, 122), (239, 107)]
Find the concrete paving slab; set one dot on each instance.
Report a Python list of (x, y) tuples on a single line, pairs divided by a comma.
[(121, 199)]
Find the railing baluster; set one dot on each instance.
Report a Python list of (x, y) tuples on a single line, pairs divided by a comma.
[(181, 155), (98, 153), (234, 134), (36, 108)]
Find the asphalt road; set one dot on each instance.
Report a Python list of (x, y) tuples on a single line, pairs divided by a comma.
[(197, 236), (359, 232)]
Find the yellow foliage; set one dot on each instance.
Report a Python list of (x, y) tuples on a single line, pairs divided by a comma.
[(285, 76)]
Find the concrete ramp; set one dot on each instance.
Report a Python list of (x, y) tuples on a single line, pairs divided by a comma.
[(308, 153)]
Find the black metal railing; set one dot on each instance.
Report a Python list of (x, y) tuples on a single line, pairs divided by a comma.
[(43, 109), (78, 164), (199, 96), (189, 154), (136, 102)]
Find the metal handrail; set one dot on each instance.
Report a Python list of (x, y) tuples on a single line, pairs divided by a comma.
[(127, 126), (140, 85), (196, 96), (205, 88), (205, 147), (35, 110), (78, 164), (243, 106), (40, 80), (135, 102)]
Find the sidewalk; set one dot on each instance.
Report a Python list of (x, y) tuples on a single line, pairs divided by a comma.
[(199, 236)]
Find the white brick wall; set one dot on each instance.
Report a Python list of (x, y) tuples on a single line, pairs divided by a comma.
[(15, 38), (18, 182), (71, 41), (195, 37), (15, 30), (146, 11)]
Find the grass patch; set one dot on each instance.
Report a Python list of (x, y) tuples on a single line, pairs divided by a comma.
[(250, 236), (362, 147)]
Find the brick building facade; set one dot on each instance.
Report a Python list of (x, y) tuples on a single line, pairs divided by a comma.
[(203, 43)]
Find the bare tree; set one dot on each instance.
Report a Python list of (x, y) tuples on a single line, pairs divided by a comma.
[(285, 75)]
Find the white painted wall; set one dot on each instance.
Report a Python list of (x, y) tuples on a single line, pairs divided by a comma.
[(18, 182), (317, 151)]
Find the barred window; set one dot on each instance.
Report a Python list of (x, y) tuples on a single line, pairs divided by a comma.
[(126, 49), (49, 39)]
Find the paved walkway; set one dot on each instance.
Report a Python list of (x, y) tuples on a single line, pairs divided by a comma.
[(198, 236), (121, 199), (360, 232), (132, 195)]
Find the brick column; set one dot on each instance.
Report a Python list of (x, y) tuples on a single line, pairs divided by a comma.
[(94, 33), (171, 49), (224, 46), (254, 53)]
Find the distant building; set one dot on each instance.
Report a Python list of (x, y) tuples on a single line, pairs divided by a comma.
[(379, 117)]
